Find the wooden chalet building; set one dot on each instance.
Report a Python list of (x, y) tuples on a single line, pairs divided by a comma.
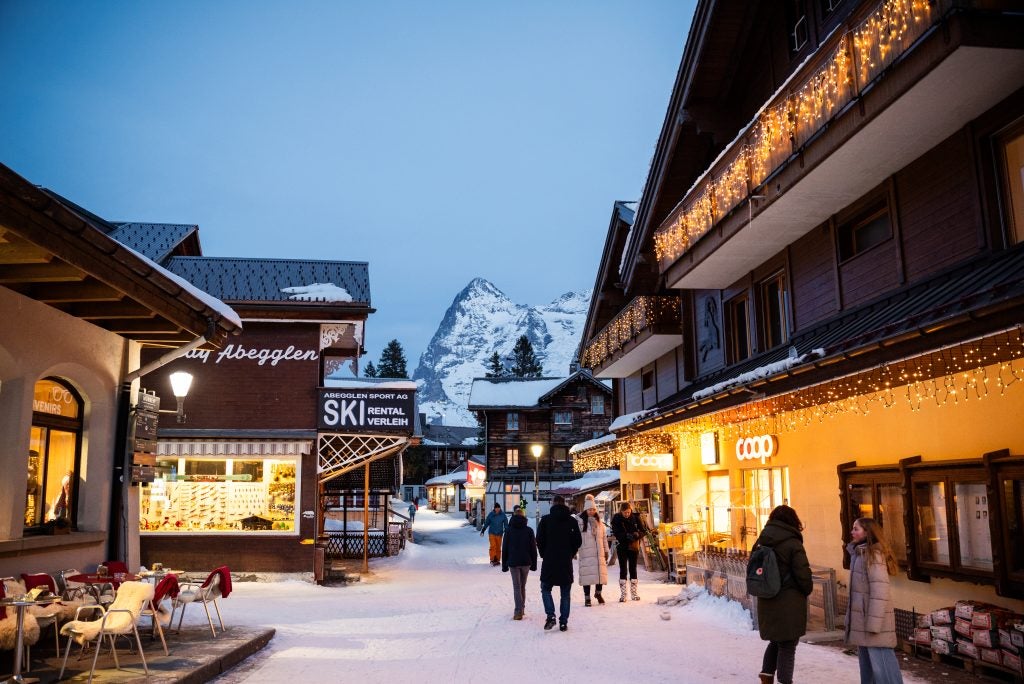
[(78, 310), (819, 298), (518, 413)]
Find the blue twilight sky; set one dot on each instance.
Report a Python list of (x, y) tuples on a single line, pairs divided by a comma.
[(438, 140)]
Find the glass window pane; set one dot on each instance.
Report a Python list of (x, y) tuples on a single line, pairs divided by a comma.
[(890, 516), (1014, 152), (973, 531), (54, 399), (60, 473), (220, 495), (859, 501), (1013, 496), (719, 502), (35, 505), (930, 518)]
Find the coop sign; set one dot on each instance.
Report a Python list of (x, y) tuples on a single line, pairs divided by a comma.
[(366, 410), (760, 448), (640, 462)]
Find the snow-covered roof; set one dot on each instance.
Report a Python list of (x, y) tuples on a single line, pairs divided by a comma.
[(520, 392), (318, 292), (628, 419), (759, 373), (591, 443), (595, 479), (457, 477), (471, 441)]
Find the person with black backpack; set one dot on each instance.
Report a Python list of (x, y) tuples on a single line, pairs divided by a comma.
[(782, 617)]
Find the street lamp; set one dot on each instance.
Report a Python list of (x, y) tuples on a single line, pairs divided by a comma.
[(180, 384), (537, 450)]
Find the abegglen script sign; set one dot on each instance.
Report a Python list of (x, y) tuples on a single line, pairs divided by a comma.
[(366, 410)]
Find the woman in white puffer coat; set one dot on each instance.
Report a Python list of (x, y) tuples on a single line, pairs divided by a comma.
[(593, 560), (870, 619)]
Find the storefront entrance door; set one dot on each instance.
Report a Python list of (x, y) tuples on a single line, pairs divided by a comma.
[(763, 490)]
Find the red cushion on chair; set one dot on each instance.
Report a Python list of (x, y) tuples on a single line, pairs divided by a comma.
[(38, 579), (168, 586), (117, 566)]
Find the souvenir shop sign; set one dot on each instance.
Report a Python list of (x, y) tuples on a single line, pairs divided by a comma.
[(366, 410)]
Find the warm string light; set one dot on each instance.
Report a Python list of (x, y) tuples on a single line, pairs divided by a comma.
[(641, 313), (965, 373), (650, 442), (798, 114)]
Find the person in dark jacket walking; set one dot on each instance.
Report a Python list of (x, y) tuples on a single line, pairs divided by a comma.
[(782, 619), (495, 525), (558, 540), (628, 527), (518, 556)]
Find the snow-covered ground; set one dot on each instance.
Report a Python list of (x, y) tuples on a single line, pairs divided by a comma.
[(440, 612)]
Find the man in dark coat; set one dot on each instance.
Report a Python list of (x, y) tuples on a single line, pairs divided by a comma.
[(558, 539), (518, 555), (782, 619)]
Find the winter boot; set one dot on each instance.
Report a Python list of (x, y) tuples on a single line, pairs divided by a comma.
[(600, 599), (767, 678), (632, 590), (622, 589), (586, 602), (550, 622)]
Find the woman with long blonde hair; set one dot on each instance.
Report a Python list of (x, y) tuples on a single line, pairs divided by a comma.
[(870, 619)]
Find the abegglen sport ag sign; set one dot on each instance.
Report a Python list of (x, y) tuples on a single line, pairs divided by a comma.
[(386, 411)]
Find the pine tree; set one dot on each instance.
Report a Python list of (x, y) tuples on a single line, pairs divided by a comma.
[(524, 361), (370, 371), (392, 362), (495, 369)]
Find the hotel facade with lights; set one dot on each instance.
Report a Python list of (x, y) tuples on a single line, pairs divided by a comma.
[(828, 315)]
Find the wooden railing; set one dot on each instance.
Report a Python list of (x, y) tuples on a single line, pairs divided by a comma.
[(641, 314)]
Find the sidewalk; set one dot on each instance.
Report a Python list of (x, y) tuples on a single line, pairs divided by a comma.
[(195, 657)]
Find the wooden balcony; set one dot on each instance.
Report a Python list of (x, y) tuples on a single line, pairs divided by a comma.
[(647, 328), (894, 82)]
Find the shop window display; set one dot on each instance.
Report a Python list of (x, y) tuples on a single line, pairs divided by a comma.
[(763, 490), (1013, 516), (930, 518), (196, 495), (973, 529), (53, 455)]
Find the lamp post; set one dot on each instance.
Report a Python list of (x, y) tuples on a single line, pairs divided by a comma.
[(537, 450)]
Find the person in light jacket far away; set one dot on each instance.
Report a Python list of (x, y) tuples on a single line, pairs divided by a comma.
[(782, 619), (593, 555), (495, 525), (870, 619), (518, 555)]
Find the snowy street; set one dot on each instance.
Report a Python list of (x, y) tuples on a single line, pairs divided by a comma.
[(440, 612)]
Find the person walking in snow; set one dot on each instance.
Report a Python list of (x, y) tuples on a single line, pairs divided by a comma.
[(782, 619), (518, 556), (593, 558), (495, 525), (412, 512), (558, 540), (628, 528), (870, 620)]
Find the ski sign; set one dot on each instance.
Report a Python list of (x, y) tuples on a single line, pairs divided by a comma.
[(387, 411)]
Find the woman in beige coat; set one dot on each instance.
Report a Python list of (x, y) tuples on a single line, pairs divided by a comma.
[(593, 559), (870, 620)]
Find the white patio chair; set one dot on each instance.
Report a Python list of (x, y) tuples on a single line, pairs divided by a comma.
[(216, 586), (118, 619)]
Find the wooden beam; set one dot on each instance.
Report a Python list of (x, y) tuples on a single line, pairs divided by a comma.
[(88, 291), (54, 272), (93, 311), (136, 326)]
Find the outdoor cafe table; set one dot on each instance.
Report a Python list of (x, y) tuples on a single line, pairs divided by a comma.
[(21, 604), (93, 580)]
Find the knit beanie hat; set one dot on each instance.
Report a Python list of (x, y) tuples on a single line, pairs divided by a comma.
[(588, 503)]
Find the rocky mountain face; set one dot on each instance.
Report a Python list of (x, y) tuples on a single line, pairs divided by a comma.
[(483, 320)]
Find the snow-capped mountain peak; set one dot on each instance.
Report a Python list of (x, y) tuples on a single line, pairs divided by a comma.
[(480, 321)]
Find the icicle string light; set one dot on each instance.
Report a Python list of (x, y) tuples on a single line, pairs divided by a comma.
[(781, 128), (641, 314)]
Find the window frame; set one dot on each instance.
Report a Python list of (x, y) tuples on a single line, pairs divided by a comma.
[(847, 247), (511, 457), (873, 478), (733, 345), (1013, 233), (558, 418), (596, 399), (765, 316), (49, 423), (560, 454), (512, 421)]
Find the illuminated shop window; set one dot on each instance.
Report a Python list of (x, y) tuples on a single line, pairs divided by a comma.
[(245, 495), (952, 525), (53, 457), (763, 490), (1011, 487), (878, 496)]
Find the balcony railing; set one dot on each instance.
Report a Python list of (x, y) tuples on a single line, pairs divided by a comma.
[(843, 68), (644, 314)]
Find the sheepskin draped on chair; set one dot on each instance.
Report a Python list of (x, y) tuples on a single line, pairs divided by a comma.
[(216, 586), (9, 621), (119, 618)]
